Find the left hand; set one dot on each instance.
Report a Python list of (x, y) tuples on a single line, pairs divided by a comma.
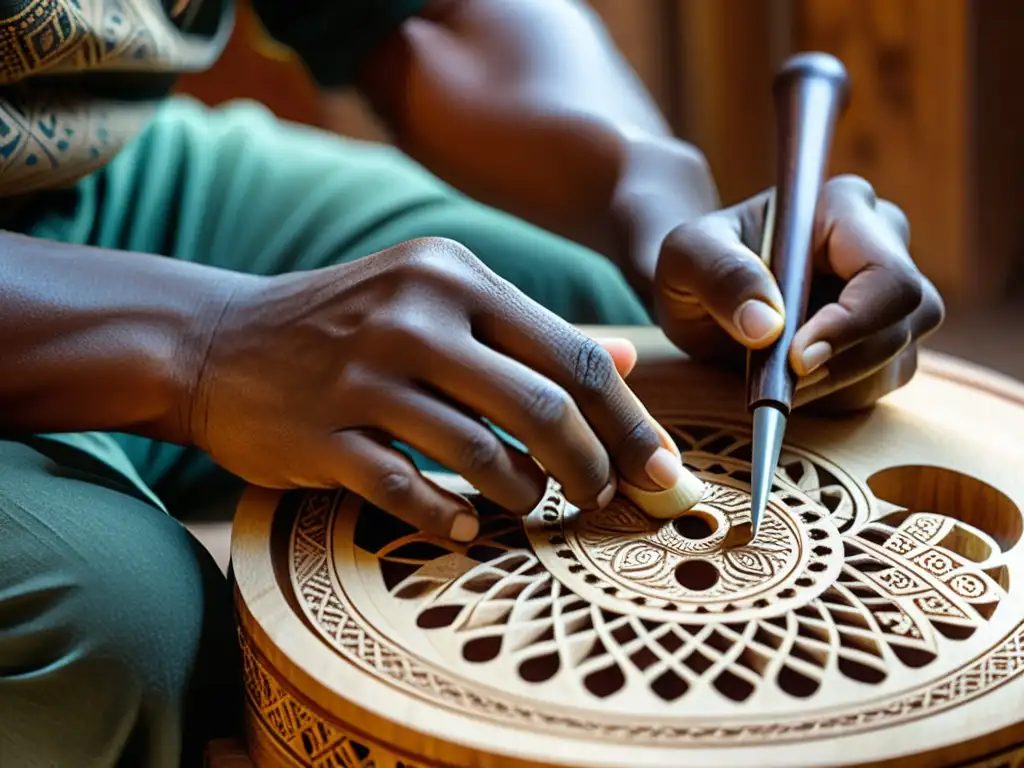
[(869, 307)]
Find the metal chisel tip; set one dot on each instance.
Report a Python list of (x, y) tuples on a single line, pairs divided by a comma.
[(769, 425)]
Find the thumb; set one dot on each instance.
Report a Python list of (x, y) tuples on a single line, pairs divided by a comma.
[(689, 490), (708, 282)]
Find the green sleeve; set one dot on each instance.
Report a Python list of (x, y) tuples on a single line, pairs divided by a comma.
[(332, 37)]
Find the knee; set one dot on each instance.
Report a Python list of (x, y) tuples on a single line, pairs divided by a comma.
[(101, 630), (139, 611)]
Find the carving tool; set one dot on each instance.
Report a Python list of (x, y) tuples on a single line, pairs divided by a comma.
[(811, 91)]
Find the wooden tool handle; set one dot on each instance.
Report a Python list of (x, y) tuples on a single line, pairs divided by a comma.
[(811, 91)]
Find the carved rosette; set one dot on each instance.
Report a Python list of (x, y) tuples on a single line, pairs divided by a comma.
[(612, 625)]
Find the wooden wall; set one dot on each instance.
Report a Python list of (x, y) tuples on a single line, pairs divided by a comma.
[(927, 125)]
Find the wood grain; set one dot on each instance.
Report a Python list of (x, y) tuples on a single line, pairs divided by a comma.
[(725, 55), (907, 129), (876, 621)]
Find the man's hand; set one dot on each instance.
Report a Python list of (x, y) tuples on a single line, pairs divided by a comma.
[(311, 376), (870, 306)]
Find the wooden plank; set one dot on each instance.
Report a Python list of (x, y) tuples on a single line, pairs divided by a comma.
[(999, 151), (907, 129), (726, 53), (639, 31)]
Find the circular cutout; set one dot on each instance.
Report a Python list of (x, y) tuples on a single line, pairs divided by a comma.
[(564, 629), (695, 527), (623, 561), (697, 575)]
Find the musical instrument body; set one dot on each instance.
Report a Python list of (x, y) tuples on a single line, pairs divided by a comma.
[(877, 620)]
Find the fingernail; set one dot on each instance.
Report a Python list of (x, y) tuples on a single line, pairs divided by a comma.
[(666, 440), (815, 356), (756, 320), (664, 469), (604, 498), (465, 527)]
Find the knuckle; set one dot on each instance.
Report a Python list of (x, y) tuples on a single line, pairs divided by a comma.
[(676, 242), (639, 439), (401, 330), (908, 290), (393, 489), (852, 184), (691, 237), (439, 258), (453, 249), (356, 379), (733, 275), (594, 371), (548, 406), (896, 219), (480, 452), (932, 313)]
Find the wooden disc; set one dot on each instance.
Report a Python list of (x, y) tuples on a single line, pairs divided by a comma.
[(878, 618)]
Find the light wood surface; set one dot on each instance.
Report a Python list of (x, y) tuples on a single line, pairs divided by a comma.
[(877, 620)]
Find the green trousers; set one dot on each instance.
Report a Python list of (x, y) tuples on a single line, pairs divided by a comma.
[(116, 633)]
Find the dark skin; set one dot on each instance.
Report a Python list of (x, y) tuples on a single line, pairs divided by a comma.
[(303, 379), (614, 178)]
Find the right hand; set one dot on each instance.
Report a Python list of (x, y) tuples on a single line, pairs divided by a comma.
[(310, 376)]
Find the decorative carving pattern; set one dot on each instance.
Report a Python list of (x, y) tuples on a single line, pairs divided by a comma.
[(892, 592), (680, 566), (305, 737), (53, 130)]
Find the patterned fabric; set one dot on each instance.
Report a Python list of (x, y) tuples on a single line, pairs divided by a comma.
[(80, 78)]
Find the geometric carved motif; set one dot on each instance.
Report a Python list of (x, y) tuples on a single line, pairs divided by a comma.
[(302, 735), (607, 603)]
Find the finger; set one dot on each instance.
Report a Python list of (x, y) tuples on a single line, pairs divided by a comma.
[(867, 391), (466, 446), (852, 388), (366, 463), (928, 317), (537, 411), (882, 285), (705, 272), (896, 219), (858, 362), (623, 354), (583, 369)]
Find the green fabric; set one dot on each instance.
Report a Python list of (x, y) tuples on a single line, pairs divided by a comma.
[(95, 579), (332, 37), (116, 638)]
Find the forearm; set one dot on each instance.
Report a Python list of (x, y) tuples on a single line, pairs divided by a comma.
[(527, 106), (99, 340)]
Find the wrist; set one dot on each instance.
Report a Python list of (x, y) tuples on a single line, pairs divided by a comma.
[(664, 182), (176, 367), (98, 340), (147, 384)]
